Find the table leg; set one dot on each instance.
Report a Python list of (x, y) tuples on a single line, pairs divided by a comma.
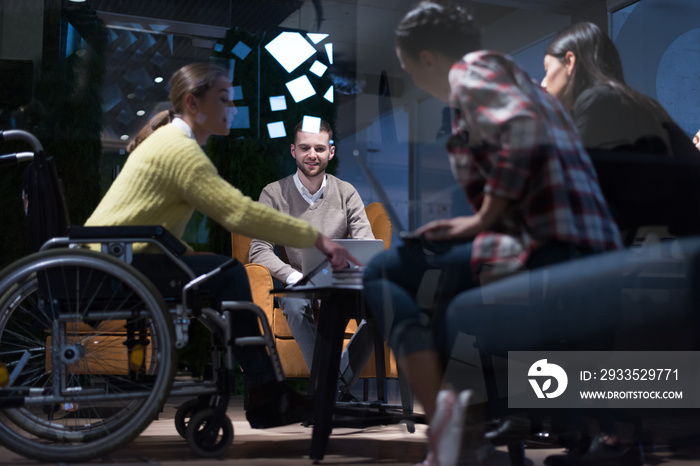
[(333, 318), (380, 365)]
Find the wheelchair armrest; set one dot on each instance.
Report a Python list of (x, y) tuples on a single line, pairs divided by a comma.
[(156, 232)]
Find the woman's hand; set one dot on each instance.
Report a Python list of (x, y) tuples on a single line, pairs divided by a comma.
[(462, 228), (337, 255)]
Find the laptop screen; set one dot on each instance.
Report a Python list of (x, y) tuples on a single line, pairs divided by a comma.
[(317, 269)]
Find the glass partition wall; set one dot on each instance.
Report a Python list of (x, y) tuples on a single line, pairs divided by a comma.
[(85, 76), (331, 59)]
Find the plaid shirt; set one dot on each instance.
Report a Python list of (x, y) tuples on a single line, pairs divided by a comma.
[(512, 139)]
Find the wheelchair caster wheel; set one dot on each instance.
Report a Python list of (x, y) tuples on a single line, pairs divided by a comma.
[(209, 435), (184, 414)]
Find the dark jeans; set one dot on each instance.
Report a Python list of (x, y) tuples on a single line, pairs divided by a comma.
[(391, 284), (393, 278), (568, 305)]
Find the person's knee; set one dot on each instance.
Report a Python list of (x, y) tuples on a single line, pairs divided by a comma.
[(295, 308), (372, 270), (383, 264)]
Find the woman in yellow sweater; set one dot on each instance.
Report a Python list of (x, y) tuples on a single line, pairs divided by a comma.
[(168, 176)]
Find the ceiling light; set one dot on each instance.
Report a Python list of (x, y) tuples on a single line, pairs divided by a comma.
[(124, 137), (290, 49), (276, 130), (311, 124), (241, 117), (329, 52), (159, 79), (141, 112), (277, 103), (318, 68), (329, 95), (241, 50), (315, 37), (300, 88)]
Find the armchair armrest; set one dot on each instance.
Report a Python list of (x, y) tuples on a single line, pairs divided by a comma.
[(260, 286)]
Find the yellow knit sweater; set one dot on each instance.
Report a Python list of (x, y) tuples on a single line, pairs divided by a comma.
[(168, 176)]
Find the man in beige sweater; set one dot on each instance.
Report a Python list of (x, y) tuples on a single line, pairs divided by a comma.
[(336, 209)]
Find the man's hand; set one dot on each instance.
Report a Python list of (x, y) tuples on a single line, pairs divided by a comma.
[(337, 255), (451, 229), (696, 139)]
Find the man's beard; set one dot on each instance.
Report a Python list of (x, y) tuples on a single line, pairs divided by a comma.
[(320, 168)]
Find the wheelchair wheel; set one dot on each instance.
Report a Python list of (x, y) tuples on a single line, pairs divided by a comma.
[(87, 342), (209, 434), (19, 307), (185, 412)]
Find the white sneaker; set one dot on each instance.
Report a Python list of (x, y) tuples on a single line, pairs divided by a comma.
[(446, 429), (429, 460)]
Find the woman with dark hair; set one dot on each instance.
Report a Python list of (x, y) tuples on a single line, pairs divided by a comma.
[(168, 176), (583, 70)]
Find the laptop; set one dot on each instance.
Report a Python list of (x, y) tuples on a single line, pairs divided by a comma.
[(405, 235), (317, 270)]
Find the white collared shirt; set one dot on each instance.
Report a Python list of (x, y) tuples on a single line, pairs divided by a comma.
[(308, 197), (181, 124), (311, 199)]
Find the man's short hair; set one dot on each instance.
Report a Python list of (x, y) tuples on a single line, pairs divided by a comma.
[(325, 127), (437, 26)]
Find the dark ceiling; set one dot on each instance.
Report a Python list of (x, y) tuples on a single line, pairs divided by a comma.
[(151, 38), (255, 15)]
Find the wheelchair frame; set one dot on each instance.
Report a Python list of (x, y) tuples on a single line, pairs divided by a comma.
[(57, 305)]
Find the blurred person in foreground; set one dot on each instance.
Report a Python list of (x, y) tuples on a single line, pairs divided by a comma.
[(535, 194)]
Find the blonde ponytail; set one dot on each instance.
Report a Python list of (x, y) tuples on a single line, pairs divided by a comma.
[(160, 119)]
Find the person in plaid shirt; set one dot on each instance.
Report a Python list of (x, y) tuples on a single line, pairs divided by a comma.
[(530, 182), (513, 147)]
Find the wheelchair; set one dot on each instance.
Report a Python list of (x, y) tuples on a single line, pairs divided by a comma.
[(88, 339)]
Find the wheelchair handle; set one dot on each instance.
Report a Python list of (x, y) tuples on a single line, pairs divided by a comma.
[(192, 286), (204, 277), (19, 135), (12, 159), (227, 265)]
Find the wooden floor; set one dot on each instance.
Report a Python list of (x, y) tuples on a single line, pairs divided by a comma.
[(385, 445)]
